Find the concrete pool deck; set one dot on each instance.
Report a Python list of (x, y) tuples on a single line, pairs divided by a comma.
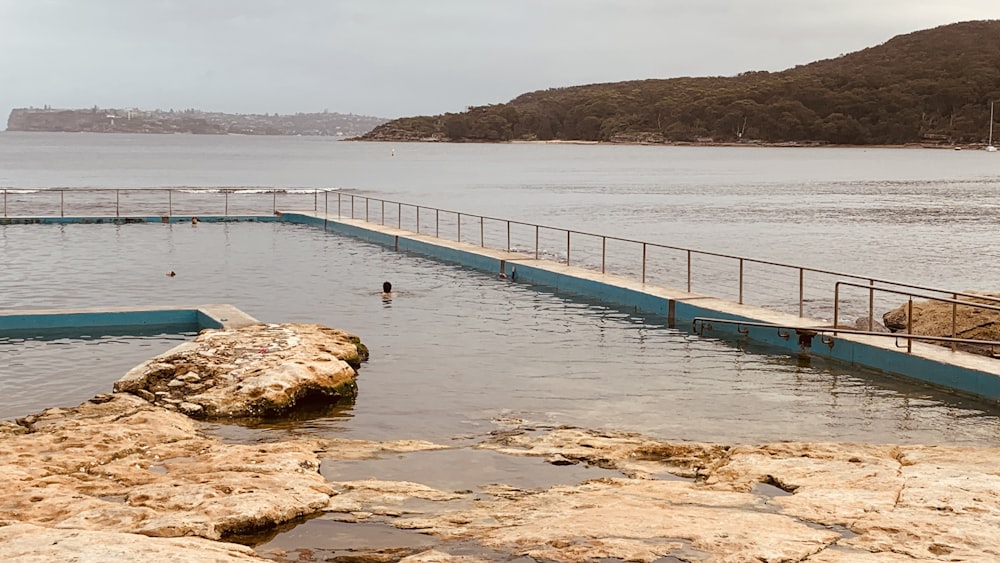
[(959, 371)]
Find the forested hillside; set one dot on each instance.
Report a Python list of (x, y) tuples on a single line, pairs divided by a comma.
[(932, 86)]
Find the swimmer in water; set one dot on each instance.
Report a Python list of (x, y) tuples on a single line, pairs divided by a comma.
[(387, 293), (171, 274)]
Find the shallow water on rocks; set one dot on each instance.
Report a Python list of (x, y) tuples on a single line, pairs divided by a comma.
[(326, 539), (464, 469)]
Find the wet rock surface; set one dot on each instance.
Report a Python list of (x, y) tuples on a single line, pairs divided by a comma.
[(104, 471), (252, 371), (776, 502), (86, 483), (120, 465)]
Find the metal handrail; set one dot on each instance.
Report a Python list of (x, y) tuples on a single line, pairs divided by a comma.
[(170, 191), (686, 265), (909, 315), (698, 324), (741, 260)]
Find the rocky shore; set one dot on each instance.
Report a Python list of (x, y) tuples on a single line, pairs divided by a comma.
[(133, 476)]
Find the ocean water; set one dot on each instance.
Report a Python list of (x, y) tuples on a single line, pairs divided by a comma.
[(457, 349), (925, 216)]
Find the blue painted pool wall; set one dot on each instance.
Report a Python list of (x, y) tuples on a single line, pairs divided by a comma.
[(206, 321), (82, 320), (685, 311), (592, 288)]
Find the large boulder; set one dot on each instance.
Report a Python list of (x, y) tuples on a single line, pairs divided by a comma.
[(251, 371), (934, 318)]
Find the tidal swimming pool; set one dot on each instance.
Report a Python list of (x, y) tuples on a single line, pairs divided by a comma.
[(455, 350)]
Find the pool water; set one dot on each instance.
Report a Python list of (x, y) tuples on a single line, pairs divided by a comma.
[(63, 369), (454, 350)]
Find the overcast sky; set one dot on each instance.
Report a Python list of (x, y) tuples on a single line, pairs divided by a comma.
[(393, 58)]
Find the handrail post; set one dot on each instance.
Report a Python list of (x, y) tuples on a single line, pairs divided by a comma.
[(536, 242), (567, 247), (366, 209), (459, 228), (801, 291), (382, 220), (225, 211), (604, 252), (954, 321), (315, 200), (117, 204), (170, 203), (399, 215), (836, 306), (339, 194), (741, 282), (689, 271), (909, 325), (418, 219), (871, 305), (62, 206), (643, 262), (508, 235), (274, 202), (352, 206), (482, 233), (326, 207), (437, 223), (5, 203)]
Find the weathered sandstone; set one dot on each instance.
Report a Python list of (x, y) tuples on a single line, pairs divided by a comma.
[(934, 318), (251, 371), (120, 465), (26, 543), (777, 502), (86, 483)]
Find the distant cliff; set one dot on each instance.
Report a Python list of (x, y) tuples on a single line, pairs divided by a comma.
[(100, 120)]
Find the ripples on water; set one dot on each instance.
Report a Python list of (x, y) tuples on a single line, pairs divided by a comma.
[(456, 348)]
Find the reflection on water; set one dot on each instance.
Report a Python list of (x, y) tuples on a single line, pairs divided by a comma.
[(458, 349)]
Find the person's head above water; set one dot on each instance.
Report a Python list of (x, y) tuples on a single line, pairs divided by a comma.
[(386, 287)]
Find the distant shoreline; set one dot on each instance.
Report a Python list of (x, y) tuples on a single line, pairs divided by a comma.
[(523, 142), (682, 144)]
